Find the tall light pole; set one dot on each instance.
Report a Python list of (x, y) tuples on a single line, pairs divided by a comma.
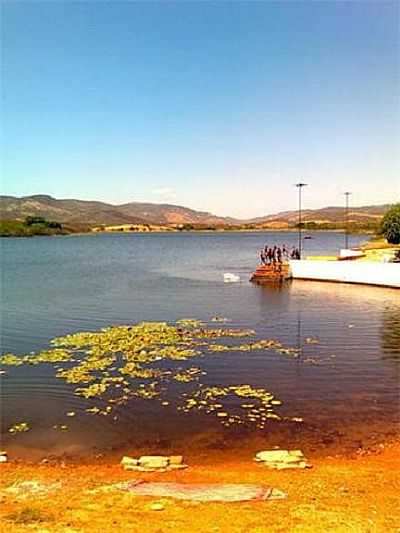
[(346, 235), (300, 186)]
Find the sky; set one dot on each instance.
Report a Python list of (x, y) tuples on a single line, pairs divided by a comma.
[(218, 106)]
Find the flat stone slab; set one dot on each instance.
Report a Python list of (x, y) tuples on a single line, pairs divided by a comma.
[(153, 463), (282, 459)]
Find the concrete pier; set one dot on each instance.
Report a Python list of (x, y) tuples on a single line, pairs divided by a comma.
[(271, 273), (364, 272)]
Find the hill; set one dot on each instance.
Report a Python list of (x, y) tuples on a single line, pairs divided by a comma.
[(94, 213), (328, 216)]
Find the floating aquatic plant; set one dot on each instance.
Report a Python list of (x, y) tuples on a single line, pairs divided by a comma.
[(189, 322), (311, 340), (211, 400), (119, 362), (191, 374), (21, 427), (11, 359), (221, 319), (268, 344)]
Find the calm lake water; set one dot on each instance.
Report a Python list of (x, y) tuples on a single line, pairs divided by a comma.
[(345, 388)]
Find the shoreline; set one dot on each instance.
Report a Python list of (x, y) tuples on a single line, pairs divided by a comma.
[(338, 493), (194, 231), (209, 451)]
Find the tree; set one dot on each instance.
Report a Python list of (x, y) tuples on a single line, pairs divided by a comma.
[(29, 221), (390, 226)]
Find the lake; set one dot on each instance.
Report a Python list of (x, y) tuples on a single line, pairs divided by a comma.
[(343, 386)]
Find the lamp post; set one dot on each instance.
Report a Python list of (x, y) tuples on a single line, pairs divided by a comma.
[(300, 186), (346, 235)]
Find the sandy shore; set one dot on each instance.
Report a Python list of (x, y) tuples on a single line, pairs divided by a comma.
[(357, 494)]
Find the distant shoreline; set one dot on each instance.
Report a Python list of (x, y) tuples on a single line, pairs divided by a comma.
[(191, 231)]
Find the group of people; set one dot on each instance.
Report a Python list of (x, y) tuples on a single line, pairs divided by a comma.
[(277, 255)]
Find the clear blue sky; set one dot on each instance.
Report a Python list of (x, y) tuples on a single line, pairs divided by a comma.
[(220, 106)]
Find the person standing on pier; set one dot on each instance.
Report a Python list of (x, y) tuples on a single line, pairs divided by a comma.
[(279, 259)]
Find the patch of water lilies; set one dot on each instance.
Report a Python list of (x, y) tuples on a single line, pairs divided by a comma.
[(218, 401), (120, 362), (221, 319), (21, 427), (311, 340), (62, 427), (269, 344)]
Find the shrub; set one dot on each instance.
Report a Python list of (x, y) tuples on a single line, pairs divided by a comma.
[(29, 221), (390, 226)]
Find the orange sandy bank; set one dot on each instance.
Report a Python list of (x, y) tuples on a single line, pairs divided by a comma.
[(359, 494)]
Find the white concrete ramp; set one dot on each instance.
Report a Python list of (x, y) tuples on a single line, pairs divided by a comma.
[(353, 271)]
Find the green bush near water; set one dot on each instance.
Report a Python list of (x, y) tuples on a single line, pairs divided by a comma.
[(390, 226), (35, 221), (31, 226)]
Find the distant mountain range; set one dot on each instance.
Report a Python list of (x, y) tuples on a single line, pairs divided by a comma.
[(92, 213), (326, 215)]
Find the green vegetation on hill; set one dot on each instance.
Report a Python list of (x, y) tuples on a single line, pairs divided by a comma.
[(44, 215), (31, 226), (353, 227)]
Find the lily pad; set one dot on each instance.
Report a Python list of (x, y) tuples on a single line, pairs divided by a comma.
[(120, 363), (20, 427)]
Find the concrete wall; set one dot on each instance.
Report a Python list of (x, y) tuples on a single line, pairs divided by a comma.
[(370, 273)]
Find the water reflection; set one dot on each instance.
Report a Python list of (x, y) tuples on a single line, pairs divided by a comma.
[(391, 333), (375, 302), (345, 291), (299, 337)]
